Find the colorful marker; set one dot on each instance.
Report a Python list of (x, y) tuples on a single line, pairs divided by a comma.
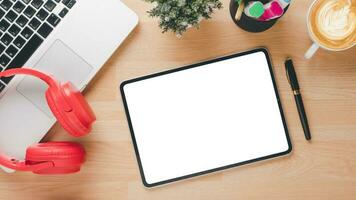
[(284, 3), (254, 9), (273, 10)]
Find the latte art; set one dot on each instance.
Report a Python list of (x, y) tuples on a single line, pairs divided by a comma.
[(333, 23), (336, 22)]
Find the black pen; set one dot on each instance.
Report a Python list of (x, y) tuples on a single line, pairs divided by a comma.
[(293, 81)]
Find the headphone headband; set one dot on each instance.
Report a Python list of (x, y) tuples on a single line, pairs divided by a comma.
[(27, 71)]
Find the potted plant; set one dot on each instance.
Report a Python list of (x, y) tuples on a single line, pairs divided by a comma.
[(179, 15)]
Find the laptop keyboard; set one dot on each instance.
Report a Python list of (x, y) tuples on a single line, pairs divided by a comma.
[(24, 25)]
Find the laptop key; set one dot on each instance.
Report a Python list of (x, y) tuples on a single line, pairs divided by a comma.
[(2, 86), (42, 14), (29, 11), (19, 7), (34, 23), (6, 39), (11, 51), (24, 54), (2, 13), (6, 4), (50, 5), (4, 25), (11, 16), (37, 3), (45, 30), (63, 12), (22, 21), (26, 32), (14, 30), (4, 60), (2, 48), (53, 20), (26, 1), (19, 42), (65, 2), (71, 3)]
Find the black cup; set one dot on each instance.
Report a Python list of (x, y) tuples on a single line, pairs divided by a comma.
[(249, 24)]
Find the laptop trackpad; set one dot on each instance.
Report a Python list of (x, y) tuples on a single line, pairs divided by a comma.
[(64, 64)]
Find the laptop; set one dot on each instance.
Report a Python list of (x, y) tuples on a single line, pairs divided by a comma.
[(70, 39)]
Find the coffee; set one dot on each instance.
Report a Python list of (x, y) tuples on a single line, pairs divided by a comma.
[(332, 23)]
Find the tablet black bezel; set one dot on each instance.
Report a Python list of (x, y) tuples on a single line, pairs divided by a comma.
[(264, 50)]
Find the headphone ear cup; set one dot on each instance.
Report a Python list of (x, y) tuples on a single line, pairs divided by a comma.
[(59, 113), (67, 157), (79, 105), (71, 109)]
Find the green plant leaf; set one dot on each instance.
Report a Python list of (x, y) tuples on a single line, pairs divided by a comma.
[(178, 15)]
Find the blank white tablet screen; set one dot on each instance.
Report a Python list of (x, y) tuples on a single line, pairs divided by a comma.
[(205, 117)]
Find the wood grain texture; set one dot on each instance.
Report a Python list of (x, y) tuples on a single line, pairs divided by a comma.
[(322, 169)]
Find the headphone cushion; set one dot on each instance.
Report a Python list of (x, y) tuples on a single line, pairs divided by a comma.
[(59, 114), (80, 106), (67, 157), (71, 109)]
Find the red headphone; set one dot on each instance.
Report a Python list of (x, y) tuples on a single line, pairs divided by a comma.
[(74, 114)]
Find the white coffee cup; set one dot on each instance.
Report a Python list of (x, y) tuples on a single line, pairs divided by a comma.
[(316, 42)]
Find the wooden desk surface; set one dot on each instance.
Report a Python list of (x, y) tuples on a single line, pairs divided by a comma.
[(322, 169)]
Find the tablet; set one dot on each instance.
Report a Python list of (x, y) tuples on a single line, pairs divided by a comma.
[(205, 117)]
